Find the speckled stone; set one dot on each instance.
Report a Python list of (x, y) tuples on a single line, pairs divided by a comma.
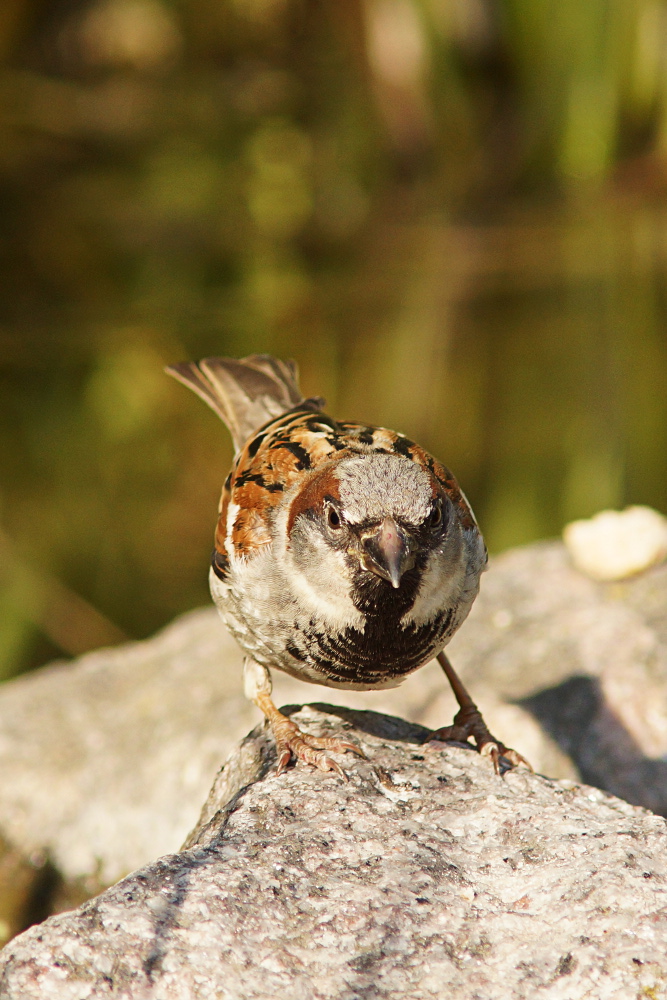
[(425, 876)]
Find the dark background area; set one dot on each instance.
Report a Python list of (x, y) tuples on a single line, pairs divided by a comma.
[(452, 213)]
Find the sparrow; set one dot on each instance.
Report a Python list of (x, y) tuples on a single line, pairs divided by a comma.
[(344, 555)]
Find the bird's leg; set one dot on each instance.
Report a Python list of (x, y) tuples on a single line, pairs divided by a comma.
[(290, 740), (468, 722)]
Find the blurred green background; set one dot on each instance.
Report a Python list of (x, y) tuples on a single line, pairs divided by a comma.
[(452, 213)]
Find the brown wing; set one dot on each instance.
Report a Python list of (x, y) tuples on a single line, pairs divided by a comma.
[(268, 464)]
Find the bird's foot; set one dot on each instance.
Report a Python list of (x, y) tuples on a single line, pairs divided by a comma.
[(293, 742), (469, 724), (290, 740)]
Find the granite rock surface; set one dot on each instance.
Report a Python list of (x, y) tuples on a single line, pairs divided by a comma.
[(423, 876)]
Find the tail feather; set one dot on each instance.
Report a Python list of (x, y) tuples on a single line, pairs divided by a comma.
[(245, 393)]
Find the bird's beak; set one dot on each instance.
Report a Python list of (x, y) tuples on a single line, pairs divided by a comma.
[(388, 551)]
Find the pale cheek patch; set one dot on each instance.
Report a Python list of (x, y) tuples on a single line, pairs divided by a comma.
[(318, 578), (440, 588)]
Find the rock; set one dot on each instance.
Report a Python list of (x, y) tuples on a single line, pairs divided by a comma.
[(105, 761), (423, 876), (108, 758)]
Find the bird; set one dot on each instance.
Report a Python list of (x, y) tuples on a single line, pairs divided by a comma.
[(345, 555)]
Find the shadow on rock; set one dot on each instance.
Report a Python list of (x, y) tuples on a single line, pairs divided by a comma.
[(577, 716), (373, 723)]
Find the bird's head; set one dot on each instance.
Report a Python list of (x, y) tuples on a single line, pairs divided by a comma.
[(371, 525)]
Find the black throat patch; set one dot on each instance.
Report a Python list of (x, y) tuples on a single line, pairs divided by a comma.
[(384, 647)]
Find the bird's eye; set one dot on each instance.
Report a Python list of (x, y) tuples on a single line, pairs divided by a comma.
[(435, 517), (333, 517)]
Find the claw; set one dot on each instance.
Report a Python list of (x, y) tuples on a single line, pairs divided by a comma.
[(469, 724), (327, 764), (345, 745), (486, 744), (491, 750), (292, 742), (283, 760), (515, 758)]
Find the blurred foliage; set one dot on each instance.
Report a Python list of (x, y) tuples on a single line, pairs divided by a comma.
[(451, 212)]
